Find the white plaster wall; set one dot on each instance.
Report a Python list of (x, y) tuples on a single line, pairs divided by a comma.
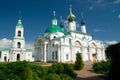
[(19, 29), (3, 54), (72, 26)]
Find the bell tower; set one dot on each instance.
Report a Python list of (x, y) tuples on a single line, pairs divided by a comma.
[(18, 40)]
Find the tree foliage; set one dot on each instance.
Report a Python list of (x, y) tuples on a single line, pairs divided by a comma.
[(26, 71), (113, 54), (79, 63)]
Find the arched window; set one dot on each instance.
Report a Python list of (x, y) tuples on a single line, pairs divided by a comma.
[(5, 58), (54, 37), (18, 45), (19, 33), (18, 57)]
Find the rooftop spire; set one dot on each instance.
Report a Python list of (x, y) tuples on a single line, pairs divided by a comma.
[(71, 16), (61, 18), (82, 15), (54, 13), (61, 22), (19, 24), (19, 14), (70, 9), (82, 21), (54, 21)]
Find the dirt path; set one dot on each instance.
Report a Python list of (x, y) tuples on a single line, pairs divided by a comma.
[(87, 73)]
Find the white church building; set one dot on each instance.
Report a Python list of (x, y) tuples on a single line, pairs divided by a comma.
[(18, 52), (58, 45)]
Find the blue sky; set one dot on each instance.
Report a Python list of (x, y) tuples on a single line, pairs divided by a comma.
[(102, 17)]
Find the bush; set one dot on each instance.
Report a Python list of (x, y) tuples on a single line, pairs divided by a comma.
[(65, 77), (69, 70), (57, 68), (61, 68), (51, 77), (26, 71), (78, 63), (102, 67)]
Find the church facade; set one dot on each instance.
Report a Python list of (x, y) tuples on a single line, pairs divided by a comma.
[(18, 52), (58, 45)]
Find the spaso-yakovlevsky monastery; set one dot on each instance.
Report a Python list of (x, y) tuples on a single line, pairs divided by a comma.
[(56, 44)]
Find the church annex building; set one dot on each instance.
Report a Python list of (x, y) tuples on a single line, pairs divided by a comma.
[(18, 52), (58, 45)]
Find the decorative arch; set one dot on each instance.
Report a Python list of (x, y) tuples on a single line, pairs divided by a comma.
[(39, 42), (19, 33), (18, 45), (77, 43), (93, 45)]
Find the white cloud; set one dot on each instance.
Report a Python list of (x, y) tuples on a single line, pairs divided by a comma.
[(116, 2), (100, 4), (96, 30), (107, 42), (111, 42), (91, 7), (30, 46), (5, 43), (119, 16)]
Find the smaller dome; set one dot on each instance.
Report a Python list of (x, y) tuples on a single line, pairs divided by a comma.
[(19, 24), (71, 16), (82, 22), (54, 29)]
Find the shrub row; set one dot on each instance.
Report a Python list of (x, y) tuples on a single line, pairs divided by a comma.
[(26, 71)]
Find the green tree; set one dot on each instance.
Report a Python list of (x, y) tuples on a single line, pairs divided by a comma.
[(78, 63), (28, 74), (113, 53)]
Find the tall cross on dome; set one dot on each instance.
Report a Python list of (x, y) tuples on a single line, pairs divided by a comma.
[(54, 13)]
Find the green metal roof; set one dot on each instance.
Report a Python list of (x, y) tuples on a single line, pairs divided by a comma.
[(6, 49), (19, 23), (54, 29), (54, 18), (67, 33)]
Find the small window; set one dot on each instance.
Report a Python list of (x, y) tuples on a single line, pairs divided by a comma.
[(19, 33), (18, 45), (53, 45), (54, 36), (67, 56), (28, 54), (53, 55), (0, 54), (56, 55)]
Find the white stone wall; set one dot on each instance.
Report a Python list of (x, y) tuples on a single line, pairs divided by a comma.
[(3, 55)]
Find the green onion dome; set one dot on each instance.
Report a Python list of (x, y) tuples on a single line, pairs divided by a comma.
[(54, 29)]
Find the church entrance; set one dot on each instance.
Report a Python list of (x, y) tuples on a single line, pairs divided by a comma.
[(94, 57), (18, 57), (5, 58)]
